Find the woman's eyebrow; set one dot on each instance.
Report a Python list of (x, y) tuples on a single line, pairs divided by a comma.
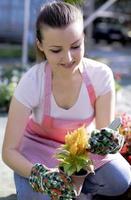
[(76, 41), (71, 44)]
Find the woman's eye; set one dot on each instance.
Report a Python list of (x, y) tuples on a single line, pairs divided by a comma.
[(55, 51), (76, 47)]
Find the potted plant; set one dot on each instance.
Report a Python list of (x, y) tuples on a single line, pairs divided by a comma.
[(6, 93), (125, 130), (73, 157)]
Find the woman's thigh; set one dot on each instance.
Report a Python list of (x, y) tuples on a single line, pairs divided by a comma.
[(112, 179), (24, 190)]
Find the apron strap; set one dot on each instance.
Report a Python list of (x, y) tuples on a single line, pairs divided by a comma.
[(47, 90), (89, 87)]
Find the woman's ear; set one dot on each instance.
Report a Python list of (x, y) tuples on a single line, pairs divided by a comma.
[(40, 55), (39, 45)]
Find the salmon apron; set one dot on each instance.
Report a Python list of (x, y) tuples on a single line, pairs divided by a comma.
[(40, 141)]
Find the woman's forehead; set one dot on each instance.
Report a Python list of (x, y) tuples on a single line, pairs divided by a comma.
[(71, 33)]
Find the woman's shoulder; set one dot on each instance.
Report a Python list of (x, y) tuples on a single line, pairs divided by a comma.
[(96, 67), (101, 76), (35, 70), (28, 90)]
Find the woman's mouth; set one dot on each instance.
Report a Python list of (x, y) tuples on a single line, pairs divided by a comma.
[(69, 65)]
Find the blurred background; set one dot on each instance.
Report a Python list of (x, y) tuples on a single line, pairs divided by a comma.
[(107, 39)]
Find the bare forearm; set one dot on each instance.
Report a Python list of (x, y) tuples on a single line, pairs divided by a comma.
[(17, 162), (105, 110)]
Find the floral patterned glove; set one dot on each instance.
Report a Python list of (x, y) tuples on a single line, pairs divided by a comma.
[(51, 182), (105, 141)]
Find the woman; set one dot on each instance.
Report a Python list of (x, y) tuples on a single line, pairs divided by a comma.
[(59, 94)]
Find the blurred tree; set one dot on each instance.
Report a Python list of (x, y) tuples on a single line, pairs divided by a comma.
[(120, 5), (79, 2), (99, 3)]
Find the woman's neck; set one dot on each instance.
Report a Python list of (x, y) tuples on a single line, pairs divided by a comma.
[(65, 73)]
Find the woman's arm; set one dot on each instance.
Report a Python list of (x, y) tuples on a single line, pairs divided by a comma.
[(105, 110), (17, 119)]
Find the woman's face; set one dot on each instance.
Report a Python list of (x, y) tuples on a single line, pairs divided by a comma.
[(63, 47)]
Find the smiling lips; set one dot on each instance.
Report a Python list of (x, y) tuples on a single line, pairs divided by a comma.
[(69, 65)]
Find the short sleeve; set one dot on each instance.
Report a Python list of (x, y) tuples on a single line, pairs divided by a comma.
[(105, 81), (101, 77), (28, 90)]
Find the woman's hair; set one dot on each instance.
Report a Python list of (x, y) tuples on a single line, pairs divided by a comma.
[(56, 15)]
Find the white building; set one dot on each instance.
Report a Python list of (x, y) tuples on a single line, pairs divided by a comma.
[(12, 19)]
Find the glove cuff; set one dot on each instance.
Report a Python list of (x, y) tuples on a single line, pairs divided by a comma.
[(34, 178), (37, 169)]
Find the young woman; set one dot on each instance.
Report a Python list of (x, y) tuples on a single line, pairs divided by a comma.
[(61, 93)]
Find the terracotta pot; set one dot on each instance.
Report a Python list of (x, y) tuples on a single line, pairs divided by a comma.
[(78, 180)]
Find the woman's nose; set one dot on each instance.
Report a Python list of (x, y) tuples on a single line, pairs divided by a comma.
[(67, 57)]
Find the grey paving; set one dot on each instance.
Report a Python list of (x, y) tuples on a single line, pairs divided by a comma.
[(6, 176)]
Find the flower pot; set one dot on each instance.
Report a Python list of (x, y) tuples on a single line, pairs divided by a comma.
[(78, 180)]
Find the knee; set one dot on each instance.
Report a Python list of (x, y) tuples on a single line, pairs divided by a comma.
[(25, 191), (119, 187), (25, 194)]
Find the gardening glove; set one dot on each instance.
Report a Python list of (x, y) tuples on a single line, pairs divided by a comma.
[(51, 182), (105, 141)]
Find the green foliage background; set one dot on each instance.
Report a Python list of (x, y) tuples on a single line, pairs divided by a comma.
[(75, 1)]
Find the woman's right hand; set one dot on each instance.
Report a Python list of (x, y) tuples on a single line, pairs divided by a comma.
[(51, 182)]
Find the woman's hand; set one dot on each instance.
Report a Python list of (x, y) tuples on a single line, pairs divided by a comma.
[(51, 182), (106, 141)]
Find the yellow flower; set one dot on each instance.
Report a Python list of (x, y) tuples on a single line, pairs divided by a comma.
[(73, 155), (73, 149), (77, 141)]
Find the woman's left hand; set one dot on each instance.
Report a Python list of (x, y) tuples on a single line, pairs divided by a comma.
[(51, 182)]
